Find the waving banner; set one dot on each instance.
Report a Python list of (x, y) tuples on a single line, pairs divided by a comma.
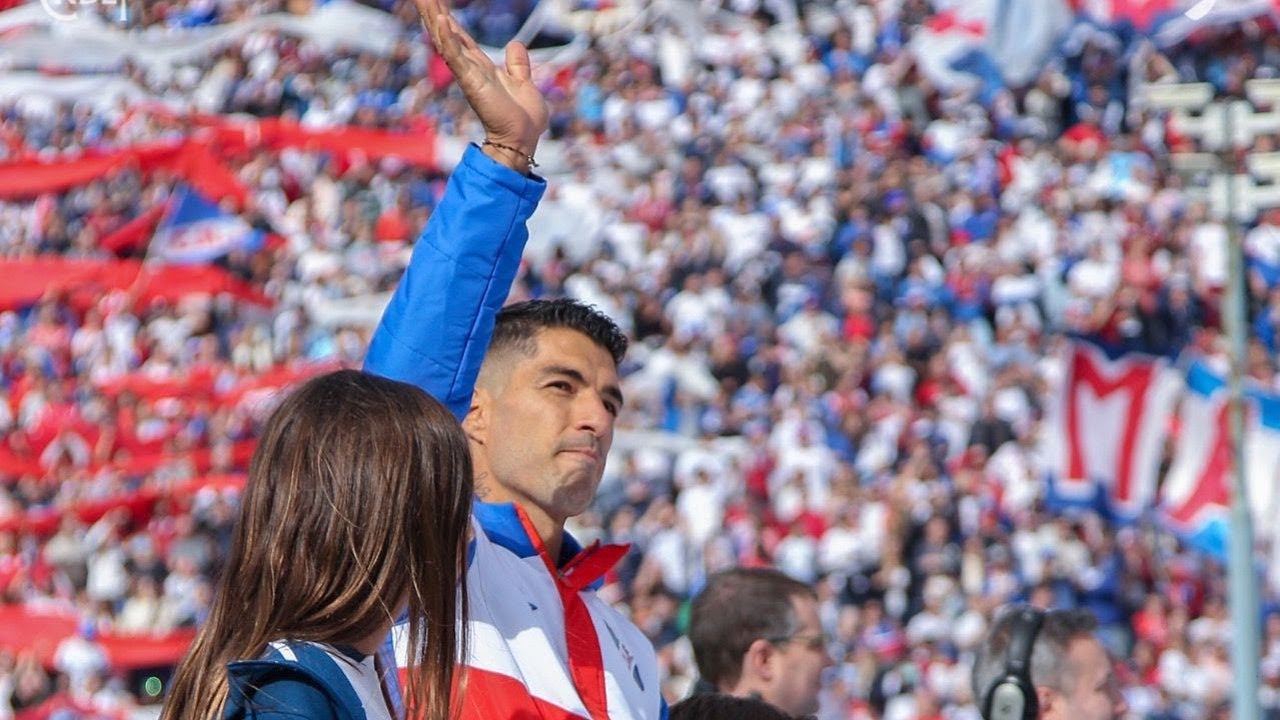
[(1196, 495), (1107, 429)]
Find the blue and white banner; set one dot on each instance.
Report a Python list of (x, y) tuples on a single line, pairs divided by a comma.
[(1196, 494), (197, 231), (989, 42), (1142, 16), (1197, 14)]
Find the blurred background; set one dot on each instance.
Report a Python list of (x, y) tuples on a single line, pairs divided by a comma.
[(921, 312)]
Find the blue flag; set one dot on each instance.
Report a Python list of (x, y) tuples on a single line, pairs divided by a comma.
[(196, 231)]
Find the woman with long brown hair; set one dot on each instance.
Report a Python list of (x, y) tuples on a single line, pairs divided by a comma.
[(356, 511)]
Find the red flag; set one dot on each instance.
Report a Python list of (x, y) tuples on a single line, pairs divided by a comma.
[(136, 232)]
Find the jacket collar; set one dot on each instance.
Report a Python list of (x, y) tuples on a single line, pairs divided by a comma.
[(310, 664), (505, 524)]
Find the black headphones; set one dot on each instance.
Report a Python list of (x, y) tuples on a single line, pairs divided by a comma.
[(1011, 696)]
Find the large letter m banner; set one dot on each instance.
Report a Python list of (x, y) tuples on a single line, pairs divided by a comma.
[(1106, 429)]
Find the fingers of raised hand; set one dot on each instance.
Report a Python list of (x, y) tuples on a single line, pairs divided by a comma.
[(450, 40), (518, 62), (443, 42), (430, 10), (460, 51), (463, 37)]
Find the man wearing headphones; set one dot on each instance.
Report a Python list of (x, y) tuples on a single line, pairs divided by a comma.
[(1045, 665)]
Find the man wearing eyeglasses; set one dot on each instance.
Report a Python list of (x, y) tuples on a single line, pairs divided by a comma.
[(755, 633)]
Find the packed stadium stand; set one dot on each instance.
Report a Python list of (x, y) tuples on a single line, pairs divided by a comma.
[(862, 249)]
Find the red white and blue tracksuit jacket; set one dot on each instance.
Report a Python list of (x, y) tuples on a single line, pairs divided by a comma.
[(543, 645)]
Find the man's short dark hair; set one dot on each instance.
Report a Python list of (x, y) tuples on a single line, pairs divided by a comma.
[(1049, 666), (718, 706), (517, 326), (738, 607)]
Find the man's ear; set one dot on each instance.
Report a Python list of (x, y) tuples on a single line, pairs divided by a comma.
[(1046, 699), (476, 423), (757, 665)]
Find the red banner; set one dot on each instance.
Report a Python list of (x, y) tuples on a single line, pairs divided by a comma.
[(28, 178), (26, 629), (193, 161), (86, 281), (194, 158), (417, 148), (140, 504), (63, 705)]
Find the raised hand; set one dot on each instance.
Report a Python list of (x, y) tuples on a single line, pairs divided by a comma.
[(510, 107)]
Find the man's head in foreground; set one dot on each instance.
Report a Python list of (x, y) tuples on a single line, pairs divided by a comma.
[(541, 419)]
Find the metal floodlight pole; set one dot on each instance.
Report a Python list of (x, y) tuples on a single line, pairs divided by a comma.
[(1266, 165), (1234, 125), (1261, 91), (1179, 96), (1241, 575)]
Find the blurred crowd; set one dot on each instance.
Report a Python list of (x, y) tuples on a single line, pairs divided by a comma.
[(845, 289)]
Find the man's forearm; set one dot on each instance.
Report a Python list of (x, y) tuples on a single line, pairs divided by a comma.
[(437, 327)]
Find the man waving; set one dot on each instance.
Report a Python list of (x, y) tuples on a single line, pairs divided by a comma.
[(536, 388)]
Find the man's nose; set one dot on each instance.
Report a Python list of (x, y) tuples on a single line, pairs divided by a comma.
[(593, 414)]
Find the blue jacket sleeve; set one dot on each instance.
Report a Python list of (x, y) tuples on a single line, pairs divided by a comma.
[(436, 329)]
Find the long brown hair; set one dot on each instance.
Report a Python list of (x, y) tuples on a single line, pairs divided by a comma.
[(358, 501)]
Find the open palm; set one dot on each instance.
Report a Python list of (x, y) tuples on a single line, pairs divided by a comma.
[(509, 105)]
